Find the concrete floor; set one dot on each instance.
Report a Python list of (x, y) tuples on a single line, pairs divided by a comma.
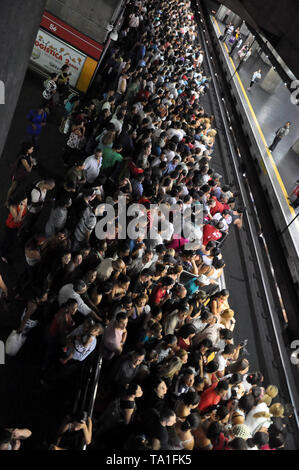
[(272, 111)]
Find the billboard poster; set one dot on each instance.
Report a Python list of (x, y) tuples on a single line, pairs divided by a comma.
[(51, 54)]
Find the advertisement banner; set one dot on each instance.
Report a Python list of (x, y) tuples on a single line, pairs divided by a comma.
[(51, 54)]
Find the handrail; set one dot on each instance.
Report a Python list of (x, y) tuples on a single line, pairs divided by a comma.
[(228, 133)]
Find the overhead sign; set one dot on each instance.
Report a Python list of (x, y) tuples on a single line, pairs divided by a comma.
[(71, 35), (51, 54)]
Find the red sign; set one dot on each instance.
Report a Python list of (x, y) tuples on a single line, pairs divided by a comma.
[(71, 35)]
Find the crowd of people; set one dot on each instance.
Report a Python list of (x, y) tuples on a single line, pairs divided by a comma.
[(172, 377)]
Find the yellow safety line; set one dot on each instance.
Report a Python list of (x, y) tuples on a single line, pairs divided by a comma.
[(280, 182)]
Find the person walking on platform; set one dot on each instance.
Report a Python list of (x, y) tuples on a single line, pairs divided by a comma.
[(280, 133), (229, 29), (257, 75)]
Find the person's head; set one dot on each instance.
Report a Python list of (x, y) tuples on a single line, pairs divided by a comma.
[(221, 414), (199, 384), (170, 341), (211, 367), (237, 444), (48, 184), (246, 403), (259, 439), (270, 393), (241, 366), (288, 124), (41, 295), (27, 148), (121, 320), (167, 417), (98, 155), (96, 330), (182, 355), (227, 314), (159, 387), (5, 439), (134, 390), (71, 306), (276, 441), (222, 388), (80, 287), (123, 281), (277, 410), (255, 378), (229, 350), (188, 377), (118, 265), (191, 422), (191, 399), (138, 356)]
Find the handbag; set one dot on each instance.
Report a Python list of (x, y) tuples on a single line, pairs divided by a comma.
[(14, 343)]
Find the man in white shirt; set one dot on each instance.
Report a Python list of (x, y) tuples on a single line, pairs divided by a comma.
[(38, 196), (74, 291), (223, 358), (107, 266), (257, 75), (92, 166)]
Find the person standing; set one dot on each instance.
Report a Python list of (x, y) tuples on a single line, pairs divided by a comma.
[(227, 32), (37, 119), (280, 133), (295, 196), (237, 44), (92, 166), (257, 75)]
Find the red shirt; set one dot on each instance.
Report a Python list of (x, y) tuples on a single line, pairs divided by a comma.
[(210, 233), (183, 345), (209, 398), (296, 191), (222, 442), (158, 293), (218, 208)]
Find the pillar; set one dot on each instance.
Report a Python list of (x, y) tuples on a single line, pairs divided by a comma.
[(271, 81), (295, 147), (19, 23)]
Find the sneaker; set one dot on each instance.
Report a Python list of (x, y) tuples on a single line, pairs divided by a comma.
[(4, 260)]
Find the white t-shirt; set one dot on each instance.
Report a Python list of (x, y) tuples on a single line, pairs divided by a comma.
[(222, 362), (92, 167), (67, 292), (37, 195)]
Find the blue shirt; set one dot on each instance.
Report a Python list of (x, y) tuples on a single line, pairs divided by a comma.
[(191, 286), (137, 188)]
